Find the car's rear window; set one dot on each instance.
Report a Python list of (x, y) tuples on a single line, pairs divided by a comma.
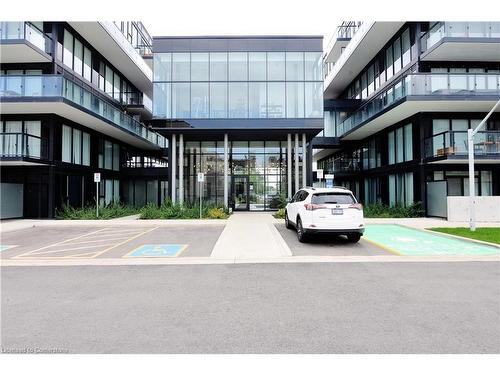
[(332, 198)]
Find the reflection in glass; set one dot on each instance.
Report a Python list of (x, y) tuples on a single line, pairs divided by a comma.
[(238, 99), (218, 100), (199, 66), (180, 100), (276, 66), (180, 67), (295, 99), (199, 100), (294, 66), (257, 99), (218, 66), (257, 66), (276, 100), (238, 66)]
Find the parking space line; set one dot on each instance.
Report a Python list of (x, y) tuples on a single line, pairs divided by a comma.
[(94, 241), (386, 248), (123, 242), (71, 249), (24, 255)]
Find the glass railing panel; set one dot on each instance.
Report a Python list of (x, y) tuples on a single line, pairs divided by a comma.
[(486, 143), (22, 145), (11, 30)]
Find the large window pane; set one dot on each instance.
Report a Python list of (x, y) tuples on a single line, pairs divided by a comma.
[(294, 66), (180, 66), (408, 142), (218, 66), (314, 99), (66, 144), (218, 100), (294, 99), (257, 66), (78, 62), (399, 145), (397, 55), (162, 66), (276, 100), (109, 81), (257, 100), (238, 66), (391, 148), (161, 100), (199, 100), (313, 66), (389, 64), (87, 63), (238, 100), (86, 149), (116, 157), (180, 100), (405, 42), (199, 66), (108, 155), (276, 66), (68, 49), (77, 146)]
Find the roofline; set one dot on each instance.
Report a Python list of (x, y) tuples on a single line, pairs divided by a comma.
[(240, 37)]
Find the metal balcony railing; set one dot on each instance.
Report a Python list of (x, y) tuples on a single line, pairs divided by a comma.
[(23, 145), (57, 86), (441, 30), (25, 31), (486, 143), (423, 84)]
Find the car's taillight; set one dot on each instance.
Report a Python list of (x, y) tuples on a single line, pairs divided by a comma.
[(357, 206), (312, 207)]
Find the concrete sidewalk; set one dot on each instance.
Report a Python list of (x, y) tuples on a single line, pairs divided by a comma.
[(429, 222), (250, 235)]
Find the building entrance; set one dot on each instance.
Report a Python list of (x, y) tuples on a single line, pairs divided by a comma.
[(240, 192)]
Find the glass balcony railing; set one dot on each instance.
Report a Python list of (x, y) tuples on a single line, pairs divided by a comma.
[(23, 145), (25, 31), (486, 143), (58, 86), (134, 98), (346, 165), (422, 84), (442, 30)]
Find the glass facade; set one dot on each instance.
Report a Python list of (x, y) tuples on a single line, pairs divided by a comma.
[(262, 164), (238, 85)]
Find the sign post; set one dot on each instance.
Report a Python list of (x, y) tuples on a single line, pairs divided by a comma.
[(97, 179), (319, 175), (201, 179)]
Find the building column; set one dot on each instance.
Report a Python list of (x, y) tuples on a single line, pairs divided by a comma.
[(173, 168), (181, 168), (297, 183), (289, 164), (304, 160), (226, 164)]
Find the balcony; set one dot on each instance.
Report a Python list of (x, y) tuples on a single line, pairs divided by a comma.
[(56, 94), (109, 40), (462, 41), (346, 165), (25, 146), (138, 103), (23, 42), (452, 146), (340, 39), (422, 92)]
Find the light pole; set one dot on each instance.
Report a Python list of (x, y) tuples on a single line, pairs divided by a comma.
[(472, 186)]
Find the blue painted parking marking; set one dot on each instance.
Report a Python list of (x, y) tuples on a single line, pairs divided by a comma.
[(159, 250), (5, 247)]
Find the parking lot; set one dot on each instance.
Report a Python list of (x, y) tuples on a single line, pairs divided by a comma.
[(331, 245), (110, 242)]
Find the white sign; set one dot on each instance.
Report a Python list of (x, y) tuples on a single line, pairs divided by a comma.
[(97, 177), (319, 174), (201, 177), (329, 176)]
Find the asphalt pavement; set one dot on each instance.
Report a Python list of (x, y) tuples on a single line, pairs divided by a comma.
[(438, 307)]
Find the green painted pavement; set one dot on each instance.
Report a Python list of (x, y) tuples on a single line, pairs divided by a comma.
[(407, 241)]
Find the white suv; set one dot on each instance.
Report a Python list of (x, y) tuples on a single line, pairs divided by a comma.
[(325, 210)]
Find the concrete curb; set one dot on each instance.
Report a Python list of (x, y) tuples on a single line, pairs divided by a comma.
[(209, 260)]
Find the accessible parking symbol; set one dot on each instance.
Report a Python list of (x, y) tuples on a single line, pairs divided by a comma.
[(157, 251)]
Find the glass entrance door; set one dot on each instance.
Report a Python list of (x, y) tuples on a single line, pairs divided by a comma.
[(240, 192)]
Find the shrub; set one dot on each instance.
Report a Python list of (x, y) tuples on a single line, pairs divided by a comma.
[(280, 214), (279, 201), (379, 210), (169, 210), (111, 211)]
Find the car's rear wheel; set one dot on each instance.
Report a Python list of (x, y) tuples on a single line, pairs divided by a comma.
[(301, 236), (287, 221), (354, 237)]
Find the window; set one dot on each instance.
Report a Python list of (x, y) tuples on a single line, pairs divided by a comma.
[(108, 155), (75, 146), (257, 66), (78, 61), (68, 49), (109, 81), (218, 66), (276, 66), (401, 189), (332, 198), (161, 99), (87, 63), (199, 67), (199, 100), (294, 66), (314, 99), (397, 55), (276, 100), (86, 149), (181, 66), (66, 144), (400, 144), (408, 142), (389, 63), (162, 66), (295, 99), (390, 147), (257, 99), (180, 100), (406, 47), (238, 99), (218, 100), (238, 66), (313, 66)]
